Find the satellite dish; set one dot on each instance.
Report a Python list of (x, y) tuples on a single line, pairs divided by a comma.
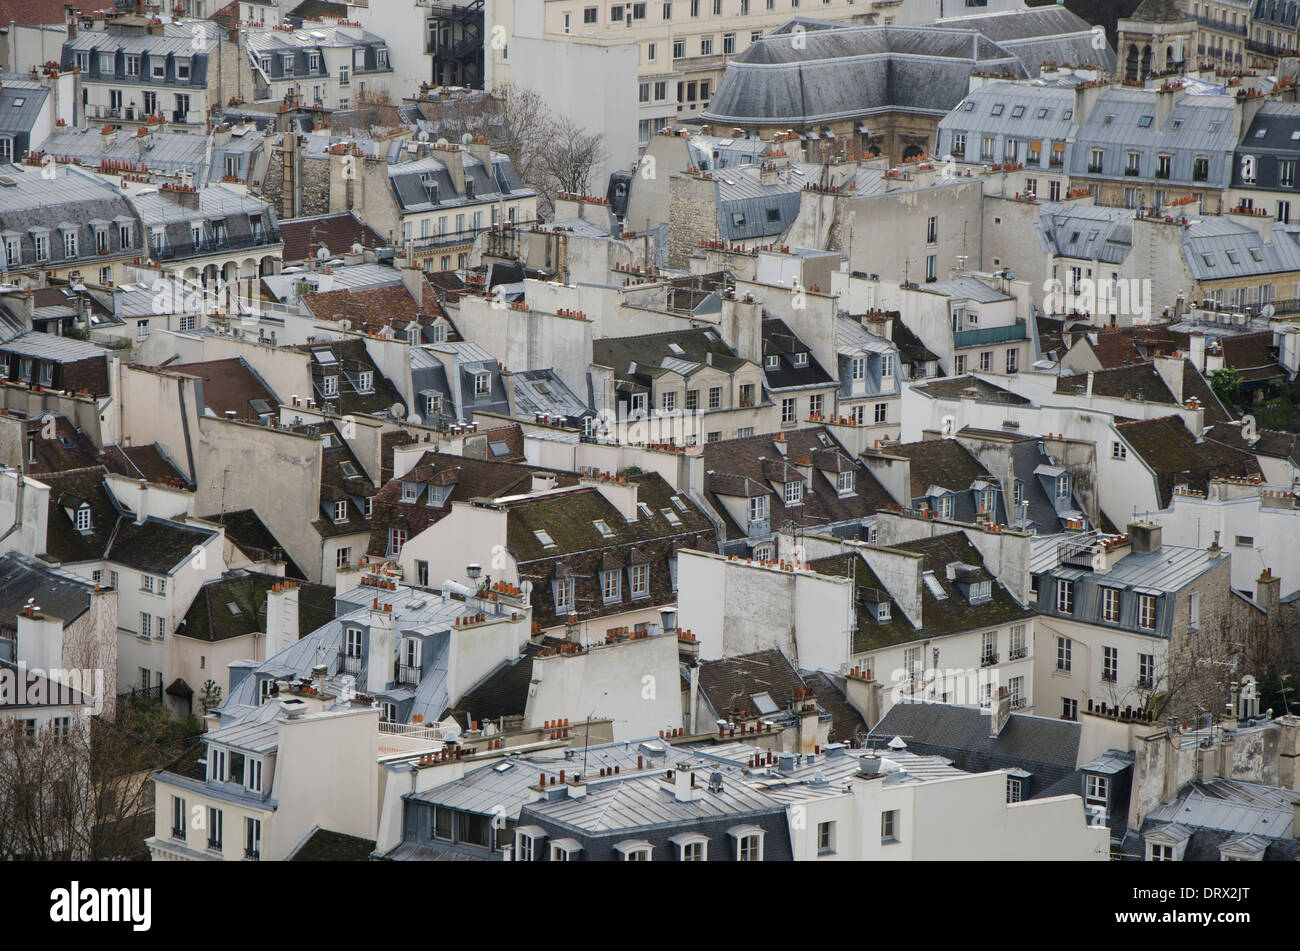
[(526, 587), (442, 143), (423, 136), (466, 139), (322, 253), (414, 419), (345, 324), (1267, 311), (397, 410)]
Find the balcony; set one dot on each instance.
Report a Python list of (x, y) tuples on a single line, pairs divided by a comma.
[(1094, 169), (1223, 26), (1162, 174), (988, 660), (1018, 703), (1132, 172), (350, 665), (987, 335), (178, 833), (1018, 653), (252, 855), (407, 674)]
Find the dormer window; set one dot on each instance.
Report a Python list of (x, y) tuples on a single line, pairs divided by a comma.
[(801, 359), (366, 381), (1063, 487), (340, 511), (844, 482), (410, 491), (482, 384), (882, 612), (981, 591), (794, 493), (603, 528), (772, 361), (83, 517), (758, 508), (987, 498), (330, 385), (942, 506)]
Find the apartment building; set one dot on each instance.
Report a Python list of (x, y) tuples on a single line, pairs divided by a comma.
[(136, 71), (322, 65)]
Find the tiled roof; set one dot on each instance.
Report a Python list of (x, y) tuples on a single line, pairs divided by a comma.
[(325, 846), (369, 308), (952, 388), (246, 531), (70, 448), (730, 684), (338, 232), (1140, 381), (141, 462)]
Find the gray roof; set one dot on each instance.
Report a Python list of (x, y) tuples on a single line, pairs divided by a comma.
[(179, 38), (1168, 569), (966, 288), (748, 209), (1011, 110), (56, 594), (1221, 247), (21, 103), (52, 347), (1123, 121), (1088, 232), (490, 182), (1230, 805), (1048, 748), (541, 391), (824, 74)]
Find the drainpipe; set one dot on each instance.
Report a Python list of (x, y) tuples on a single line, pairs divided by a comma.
[(18, 507)]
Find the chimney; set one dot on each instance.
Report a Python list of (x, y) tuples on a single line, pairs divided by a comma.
[(383, 648), (543, 481), (1268, 591), (452, 157), (685, 788), (281, 617), (107, 136), (1088, 392), (621, 495), (1001, 713), (40, 641), (1144, 537)]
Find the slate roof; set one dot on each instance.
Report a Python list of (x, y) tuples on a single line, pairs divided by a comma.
[(648, 351), (871, 633), (942, 462), (1221, 248), (1252, 355), (70, 449), (468, 479), (352, 359), (368, 308), (953, 388), (1138, 382), (211, 619), (503, 692), (157, 545), (1166, 445), (325, 846), (954, 613), (338, 232), (1047, 748), (845, 72), (67, 491), (247, 532), (1158, 11), (57, 594), (231, 385), (142, 462), (731, 683), (1217, 811), (744, 467), (780, 341)]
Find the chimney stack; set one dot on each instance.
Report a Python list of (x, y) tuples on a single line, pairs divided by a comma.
[(1144, 537)]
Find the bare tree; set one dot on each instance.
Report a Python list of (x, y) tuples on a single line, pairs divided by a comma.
[(372, 111), (571, 158)]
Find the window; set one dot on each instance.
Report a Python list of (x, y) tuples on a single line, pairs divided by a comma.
[(178, 818), (83, 518), (214, 829), (816, 403), (1096, 789), (825, 838), (758, 508), (1013, 789), (1147, 611), (694, 850), (639, 581), (986, 361), (42, 242), (69, 244), (1118, 450), (844, 482), (388, 712), (989, 648), (749, 848), (146, 625), (858, 368), (715, 397), (133, 64), (255, 775), (1110, 604), (1069, 709), (589, 14), (1013, 360), (1161, 853), (669, 402), (252, 838), (882, 412), (1064, 650), (1245, 541), (959, 364), (1017, 641), (788, 410), (944, 506), (340, 511), (889, 827), (1146, 670), (344, 80), (728, 43), (396, 539), (793, 493), (611, 584), (1016, 692), (1110, 664), (564, 595)]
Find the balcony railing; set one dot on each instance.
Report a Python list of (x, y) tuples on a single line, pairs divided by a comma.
[(1109, 676), (1018, 703), (351, 665), (407, 674), (1018, 653), (253, 855), (1132, 172), (987, 335), (178, 833), (988, 660), (1145, 683), (1094, 169), (1223, 26)]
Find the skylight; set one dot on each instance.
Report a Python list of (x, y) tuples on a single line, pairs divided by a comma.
[(603, 528), (1145, 122), (677, 501), (764, 703), (672, 517), (936, 589), (348, 469), (546, 540)]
